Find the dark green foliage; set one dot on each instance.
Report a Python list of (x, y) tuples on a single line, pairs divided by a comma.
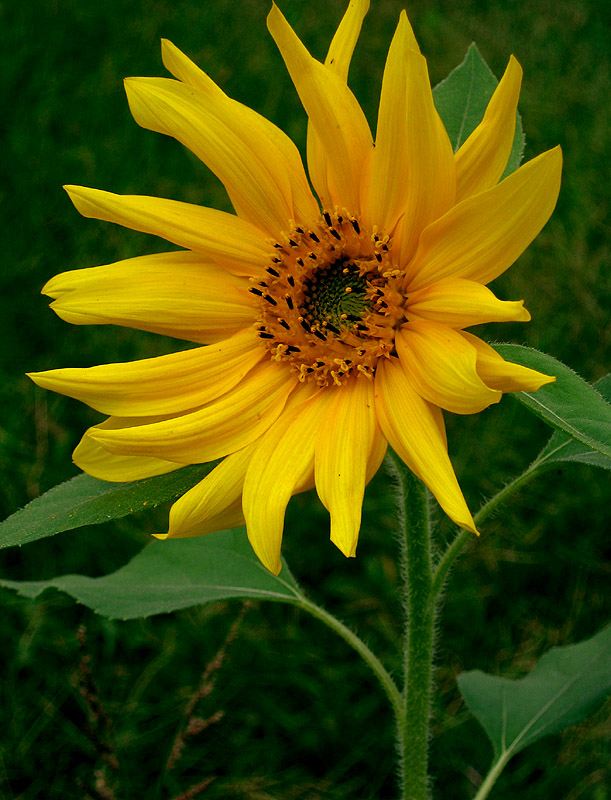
[(302, 718), (563, 689), (84, 500)]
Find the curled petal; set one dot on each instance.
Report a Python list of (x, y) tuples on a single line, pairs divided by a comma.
[(176, 294), (504, 375), (441, 366), (96, 461), (414, 430), (459, 303)]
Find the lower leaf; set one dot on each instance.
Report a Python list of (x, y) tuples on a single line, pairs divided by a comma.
[(174, 574)]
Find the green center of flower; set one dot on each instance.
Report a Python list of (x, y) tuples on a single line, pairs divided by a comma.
[(335, 294), (330, 301)]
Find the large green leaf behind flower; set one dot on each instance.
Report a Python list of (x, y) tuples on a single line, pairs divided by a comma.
[(174, 574), (461, 100), (569, 404), (562, 447)]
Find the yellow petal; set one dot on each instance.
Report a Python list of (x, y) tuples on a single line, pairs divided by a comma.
[(233, 142), (229, 144), (343, 446), (431, 174), (376, 456), (230, 517), (333, 111), (412, 427), (504, 375), (231, 242), (164, 385), (217, 492), (282, 461), (280, 151), (181, 67), (96, 461), (175, 294), (441, 366), (219, 428), (346, 36), (481, 160), (459, 303), (390, 163), (481, 237), (337, 61)]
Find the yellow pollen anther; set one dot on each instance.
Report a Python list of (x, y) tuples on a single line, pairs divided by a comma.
[(348, 289)]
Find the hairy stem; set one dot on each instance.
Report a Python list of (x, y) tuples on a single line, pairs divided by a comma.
[(413, 724)]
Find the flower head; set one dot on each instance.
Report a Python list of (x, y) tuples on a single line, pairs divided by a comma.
[(333, 326)]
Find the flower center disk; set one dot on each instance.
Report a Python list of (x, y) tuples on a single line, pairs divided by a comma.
[(336, 294), (330, 302)]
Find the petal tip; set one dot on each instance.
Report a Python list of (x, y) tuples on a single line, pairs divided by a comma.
[(515, 65), (348, 550), (556, 155), (48, 289), (268, 556), (274, 12), (79, 196), (274, 566)]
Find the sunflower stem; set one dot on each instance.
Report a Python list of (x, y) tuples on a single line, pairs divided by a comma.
[(417, 573)]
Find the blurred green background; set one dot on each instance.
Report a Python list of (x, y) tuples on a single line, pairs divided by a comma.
[(301, 718)]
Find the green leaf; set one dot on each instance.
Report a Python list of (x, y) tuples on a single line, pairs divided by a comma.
[(461, 100), (565, 687), (173, 574), (87, 501), (570, 404), (563, 448)]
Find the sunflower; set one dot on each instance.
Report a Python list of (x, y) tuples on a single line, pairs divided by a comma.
[(333, 326)]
